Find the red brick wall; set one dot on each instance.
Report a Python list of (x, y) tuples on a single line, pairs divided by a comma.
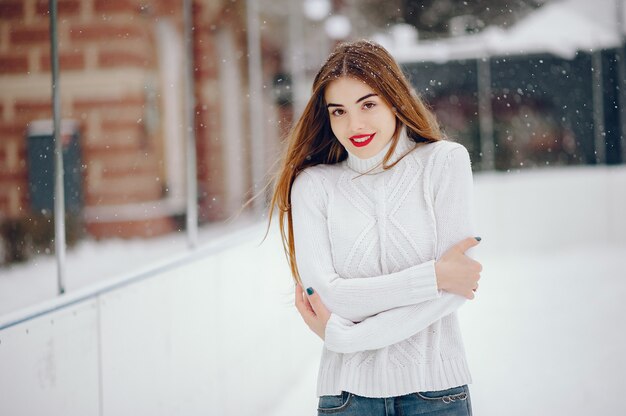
[(121, 155), (94, 35)]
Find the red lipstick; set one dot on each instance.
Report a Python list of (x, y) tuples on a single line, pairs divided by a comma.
[(361, 136)]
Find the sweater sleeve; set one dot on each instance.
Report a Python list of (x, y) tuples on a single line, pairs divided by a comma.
[(452, 192), (356, 298)]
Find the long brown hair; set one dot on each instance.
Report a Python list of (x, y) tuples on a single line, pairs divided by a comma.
[(311, 140)]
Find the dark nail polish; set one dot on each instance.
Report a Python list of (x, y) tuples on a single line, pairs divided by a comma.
[(478, 238), (309, 290)]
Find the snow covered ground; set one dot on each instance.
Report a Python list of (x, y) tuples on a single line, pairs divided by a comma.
[(545, 336)]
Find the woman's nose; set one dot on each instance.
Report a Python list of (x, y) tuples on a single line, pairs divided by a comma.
[(356, 123)]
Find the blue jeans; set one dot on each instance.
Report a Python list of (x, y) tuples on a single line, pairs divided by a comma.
[(451, 402)]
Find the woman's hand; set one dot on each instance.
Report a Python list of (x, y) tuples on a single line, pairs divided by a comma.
[(456, 273), (312, 310)]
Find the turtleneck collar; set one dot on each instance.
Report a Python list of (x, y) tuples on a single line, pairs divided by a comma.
[(374, 163)]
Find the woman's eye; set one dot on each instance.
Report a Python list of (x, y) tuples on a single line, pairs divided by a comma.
[(337, 112), (369, 104)]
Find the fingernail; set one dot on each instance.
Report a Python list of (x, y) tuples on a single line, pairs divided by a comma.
[(478, 238), (309, 290)]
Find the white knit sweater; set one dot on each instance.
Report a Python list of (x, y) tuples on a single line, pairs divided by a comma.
[(367, 244)]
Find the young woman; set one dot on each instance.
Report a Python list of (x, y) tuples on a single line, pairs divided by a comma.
[(375, 215)]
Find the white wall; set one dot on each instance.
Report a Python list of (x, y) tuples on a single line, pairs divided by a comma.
[(50, 364), (215, 331), (217, 334)]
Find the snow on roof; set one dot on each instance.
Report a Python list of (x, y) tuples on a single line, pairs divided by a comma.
[(560, 28)]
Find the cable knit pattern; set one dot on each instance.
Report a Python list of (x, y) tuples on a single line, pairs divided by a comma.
[(366, 240)]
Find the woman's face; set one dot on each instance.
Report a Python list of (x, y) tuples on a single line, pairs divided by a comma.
[(359, 118)]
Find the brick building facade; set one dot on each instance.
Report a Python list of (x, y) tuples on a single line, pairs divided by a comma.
[(121, 64)]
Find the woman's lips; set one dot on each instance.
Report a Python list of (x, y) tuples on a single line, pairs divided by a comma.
[(361, 142)]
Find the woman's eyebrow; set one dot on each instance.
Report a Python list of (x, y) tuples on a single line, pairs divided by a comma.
[(365, 97), (356, 102)]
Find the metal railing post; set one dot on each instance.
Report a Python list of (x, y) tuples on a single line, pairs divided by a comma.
[(59, 192), (255, 89), (485, 113), (191, 168), (297, 48), (597, 95), (621, 80)]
